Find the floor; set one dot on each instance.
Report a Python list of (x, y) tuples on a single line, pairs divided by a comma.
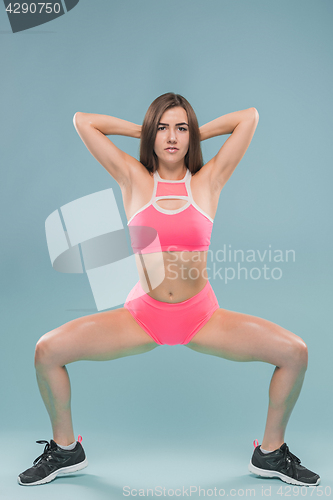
[(128, 466)]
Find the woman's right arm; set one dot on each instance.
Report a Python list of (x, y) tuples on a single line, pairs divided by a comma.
[(93, 129)]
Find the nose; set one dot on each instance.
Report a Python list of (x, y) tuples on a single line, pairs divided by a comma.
[(172, 135)]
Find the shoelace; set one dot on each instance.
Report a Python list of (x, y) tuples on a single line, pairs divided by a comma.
[(290, 459), (46, 451)]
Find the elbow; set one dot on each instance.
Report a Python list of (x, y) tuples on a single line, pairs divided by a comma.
[(77, 118)]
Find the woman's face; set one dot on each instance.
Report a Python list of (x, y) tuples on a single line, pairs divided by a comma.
[(172, 137)]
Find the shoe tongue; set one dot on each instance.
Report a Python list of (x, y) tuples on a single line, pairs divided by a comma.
[(283, 446), (53, 444)]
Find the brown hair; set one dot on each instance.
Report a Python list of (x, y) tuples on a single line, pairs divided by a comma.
[(193, 158)]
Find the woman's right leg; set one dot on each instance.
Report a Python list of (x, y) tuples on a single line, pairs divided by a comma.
[(98, 337)]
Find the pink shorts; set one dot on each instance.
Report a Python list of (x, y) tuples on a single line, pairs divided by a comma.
[(171, 324)]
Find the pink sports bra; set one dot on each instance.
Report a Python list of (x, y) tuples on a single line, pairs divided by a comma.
[(155, 229)]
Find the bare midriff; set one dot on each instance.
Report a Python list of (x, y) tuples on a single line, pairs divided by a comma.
[(179, 275)]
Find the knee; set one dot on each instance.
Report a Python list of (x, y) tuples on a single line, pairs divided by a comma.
[(43, 351), (299, 354)]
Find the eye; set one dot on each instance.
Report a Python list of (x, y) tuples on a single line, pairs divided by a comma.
[(183, 129), (160, 127)]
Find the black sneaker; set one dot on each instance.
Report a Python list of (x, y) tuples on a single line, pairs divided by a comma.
[(284, 465), (52, 462)]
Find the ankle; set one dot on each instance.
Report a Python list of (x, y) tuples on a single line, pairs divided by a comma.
[(271, 446), (70, 447), (64, 442)]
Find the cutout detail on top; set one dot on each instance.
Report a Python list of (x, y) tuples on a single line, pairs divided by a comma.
[(171, 203)]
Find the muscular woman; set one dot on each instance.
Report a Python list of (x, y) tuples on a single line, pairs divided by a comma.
[(170, 193)]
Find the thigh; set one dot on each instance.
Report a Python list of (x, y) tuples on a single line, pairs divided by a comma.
[(242, 337), (98, 337)]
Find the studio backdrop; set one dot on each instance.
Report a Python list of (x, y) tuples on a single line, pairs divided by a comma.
[(271, 247)]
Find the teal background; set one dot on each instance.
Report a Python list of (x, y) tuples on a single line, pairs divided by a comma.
[(170, 417)]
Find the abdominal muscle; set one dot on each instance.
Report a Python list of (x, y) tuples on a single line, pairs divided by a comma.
[(172, 276)]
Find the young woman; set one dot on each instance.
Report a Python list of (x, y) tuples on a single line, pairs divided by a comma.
[(170, 191)]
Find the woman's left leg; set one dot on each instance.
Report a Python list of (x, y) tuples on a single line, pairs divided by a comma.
[(241, 337)]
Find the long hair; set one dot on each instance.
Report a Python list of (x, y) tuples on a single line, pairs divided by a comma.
[(193, 158)]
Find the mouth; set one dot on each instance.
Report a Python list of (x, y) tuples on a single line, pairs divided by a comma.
[(171, 149)]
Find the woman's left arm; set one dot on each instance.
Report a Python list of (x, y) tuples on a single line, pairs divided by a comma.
[(241, 125)]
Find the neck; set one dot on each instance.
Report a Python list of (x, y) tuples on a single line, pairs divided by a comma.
[(172, 173)]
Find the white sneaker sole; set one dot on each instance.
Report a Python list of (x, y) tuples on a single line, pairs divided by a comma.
[(283, 477), (65, 470)]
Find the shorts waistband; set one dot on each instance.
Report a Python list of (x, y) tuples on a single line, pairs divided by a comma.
[(180, 305)]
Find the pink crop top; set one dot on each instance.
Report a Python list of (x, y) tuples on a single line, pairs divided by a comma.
[(155, 229)]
